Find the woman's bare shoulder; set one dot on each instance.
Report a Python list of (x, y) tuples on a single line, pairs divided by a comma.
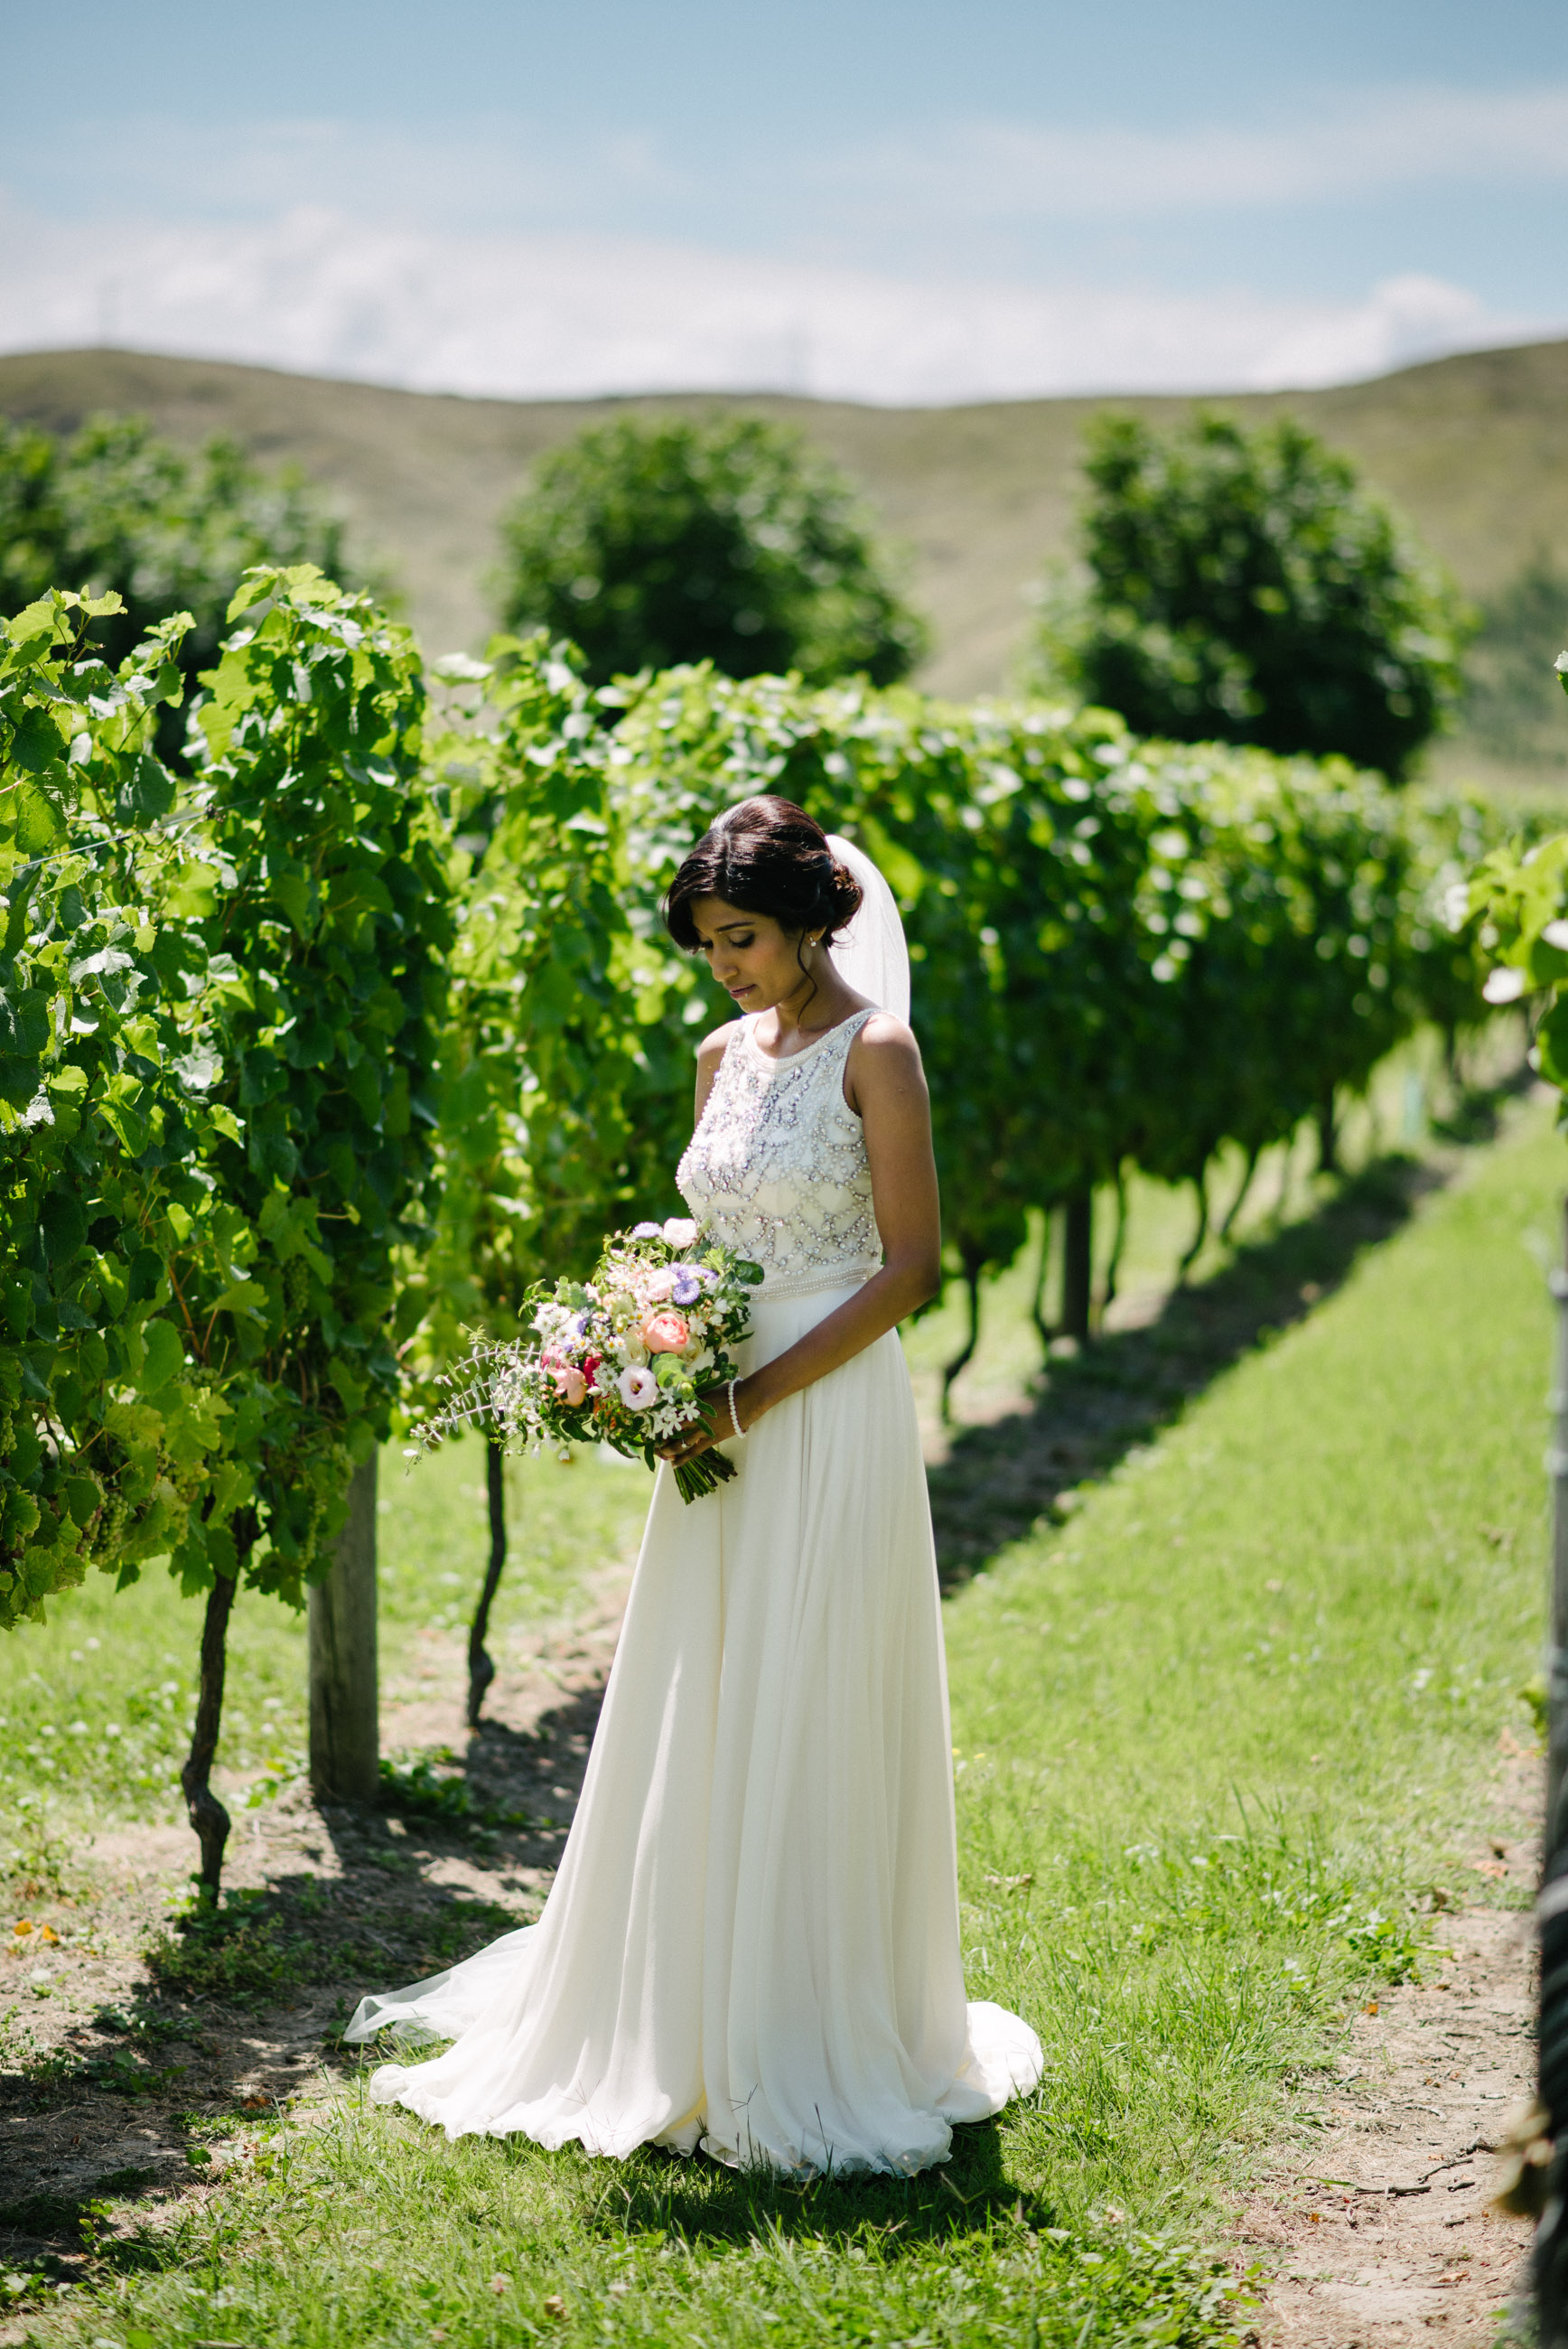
[(714, 1045), (883, 1067), (885, 1040)]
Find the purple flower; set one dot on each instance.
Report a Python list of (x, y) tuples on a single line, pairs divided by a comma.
[(688, 1288), (647, 1231)]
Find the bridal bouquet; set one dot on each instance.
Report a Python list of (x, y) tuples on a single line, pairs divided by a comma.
[(618, 1359)]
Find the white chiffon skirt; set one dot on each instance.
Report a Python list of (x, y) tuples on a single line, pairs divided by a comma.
[(752, 1944)]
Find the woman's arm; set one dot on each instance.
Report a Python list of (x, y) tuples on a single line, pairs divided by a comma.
[(709, 1054), (886, 1084)]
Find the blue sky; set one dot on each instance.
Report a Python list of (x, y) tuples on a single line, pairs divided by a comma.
[(1159, 193)]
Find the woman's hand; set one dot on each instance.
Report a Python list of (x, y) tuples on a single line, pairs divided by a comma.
[(708, 1426)]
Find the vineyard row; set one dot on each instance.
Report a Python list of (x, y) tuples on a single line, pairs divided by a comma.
[(312, 1058)]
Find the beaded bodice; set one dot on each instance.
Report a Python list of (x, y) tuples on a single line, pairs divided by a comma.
[(777, 1167)]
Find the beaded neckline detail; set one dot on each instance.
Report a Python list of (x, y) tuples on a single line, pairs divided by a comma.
[(855, 1022), (777, 1168)]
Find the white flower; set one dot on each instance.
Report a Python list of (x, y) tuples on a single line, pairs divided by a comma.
[(1504, 985), (1456, 905), (638, 1388), (1555, 934), (680, 1231)]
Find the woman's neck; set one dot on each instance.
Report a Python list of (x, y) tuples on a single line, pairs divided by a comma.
[(807, 1011)]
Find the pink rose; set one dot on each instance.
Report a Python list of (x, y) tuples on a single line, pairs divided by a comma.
[(665, 1333), (659, 1286), (570, 1384)]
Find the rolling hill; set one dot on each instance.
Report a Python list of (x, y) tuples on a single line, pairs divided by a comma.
[(1474, 450)]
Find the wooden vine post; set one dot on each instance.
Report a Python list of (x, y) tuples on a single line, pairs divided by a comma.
[(344, 1718), (1550, 2124), (1077, 1265)]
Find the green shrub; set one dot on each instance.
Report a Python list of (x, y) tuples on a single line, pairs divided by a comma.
[(116, 510), (1244, 587), (651, 542)]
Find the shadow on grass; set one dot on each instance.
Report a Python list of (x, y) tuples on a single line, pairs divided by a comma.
[(121, 2112), (520, 1787), (700, 2201), (94, 2119), (241, 1999), (999, 1480)]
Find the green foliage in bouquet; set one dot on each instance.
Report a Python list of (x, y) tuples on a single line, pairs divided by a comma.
[(624, 1358), (656, 541), (1245, 588)]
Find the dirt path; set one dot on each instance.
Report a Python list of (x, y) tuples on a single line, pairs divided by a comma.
[(1375, 2227)]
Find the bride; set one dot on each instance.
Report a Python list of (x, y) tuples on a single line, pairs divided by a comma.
[(751, 1945)]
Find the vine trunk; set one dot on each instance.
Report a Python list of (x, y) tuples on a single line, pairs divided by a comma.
[(207, 1814), (481, 1665)]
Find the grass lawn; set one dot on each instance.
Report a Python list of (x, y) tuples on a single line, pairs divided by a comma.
[(1224, 1716), (96, 1713)]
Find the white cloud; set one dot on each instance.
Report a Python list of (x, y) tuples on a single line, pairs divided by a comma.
[(555, 316)]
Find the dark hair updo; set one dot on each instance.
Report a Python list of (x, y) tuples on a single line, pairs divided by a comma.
[(765, 856)]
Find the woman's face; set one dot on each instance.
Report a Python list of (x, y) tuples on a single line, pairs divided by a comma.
[(751, 956)]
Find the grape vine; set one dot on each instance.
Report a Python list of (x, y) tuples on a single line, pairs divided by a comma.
[(230, 1131), (310, 1063)]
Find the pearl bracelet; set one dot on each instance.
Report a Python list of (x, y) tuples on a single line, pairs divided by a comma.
[(734, 1415)]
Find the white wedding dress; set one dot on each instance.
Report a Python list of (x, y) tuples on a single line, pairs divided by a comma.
[(752, 1942)]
